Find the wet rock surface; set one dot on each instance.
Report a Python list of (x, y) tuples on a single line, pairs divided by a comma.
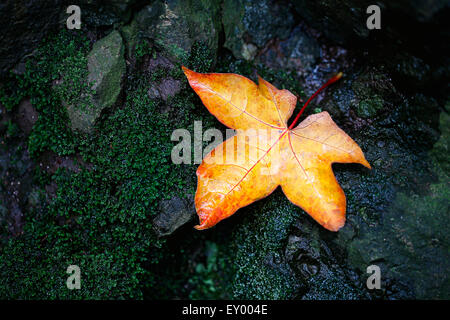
[(299, 52), (396, 129), (249, 25), (110, 13), (343, 21), (410, 243), (23, 29), (175, 26)]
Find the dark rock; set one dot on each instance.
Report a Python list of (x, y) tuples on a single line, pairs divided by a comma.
[(159, 62), (395, 133), (346, 20), (339, 20), (26, 116), (317, 267), (107, 14), (51, 162), (175, 26), (153, 92), (19, 69), (299, 52), (16, 181), (24, 27), (130, 37), (413, 240), (174, 213), (389, 129), (167, 88), (413, 36), (410, 69), (3, 211), (249, 25)]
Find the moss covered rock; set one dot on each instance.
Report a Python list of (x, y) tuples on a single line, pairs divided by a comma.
[(411, 245), (106, 66)]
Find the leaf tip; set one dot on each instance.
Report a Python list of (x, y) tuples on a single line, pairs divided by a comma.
[(366, 163), (186, 70), (335, 224), (208, 217), (203, 224)]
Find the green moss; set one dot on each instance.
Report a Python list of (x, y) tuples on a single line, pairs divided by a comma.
[(208, 278), (100, 215), (57, 71), (201, 58), (10, 93), (141, 49), (367, 108), (99, 218), (441, 149), (11, 129), (258, 243)]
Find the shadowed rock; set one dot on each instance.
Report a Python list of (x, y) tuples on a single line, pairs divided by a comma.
[(174, 213)]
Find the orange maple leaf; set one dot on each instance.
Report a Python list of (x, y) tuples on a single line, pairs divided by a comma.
[(266, 153)]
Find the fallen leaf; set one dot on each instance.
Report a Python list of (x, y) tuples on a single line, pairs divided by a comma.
[(266, 153)]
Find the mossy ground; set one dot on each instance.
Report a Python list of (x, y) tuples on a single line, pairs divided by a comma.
[(99, 216)]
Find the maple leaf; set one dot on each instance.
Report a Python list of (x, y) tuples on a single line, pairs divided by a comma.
[(265, 153)]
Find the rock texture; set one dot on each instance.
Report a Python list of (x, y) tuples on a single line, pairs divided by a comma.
[(249, 25), (176, 25), (23, 28), (106, 65), (174, 213)]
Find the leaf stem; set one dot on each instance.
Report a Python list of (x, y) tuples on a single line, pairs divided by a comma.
[(332, 80)]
